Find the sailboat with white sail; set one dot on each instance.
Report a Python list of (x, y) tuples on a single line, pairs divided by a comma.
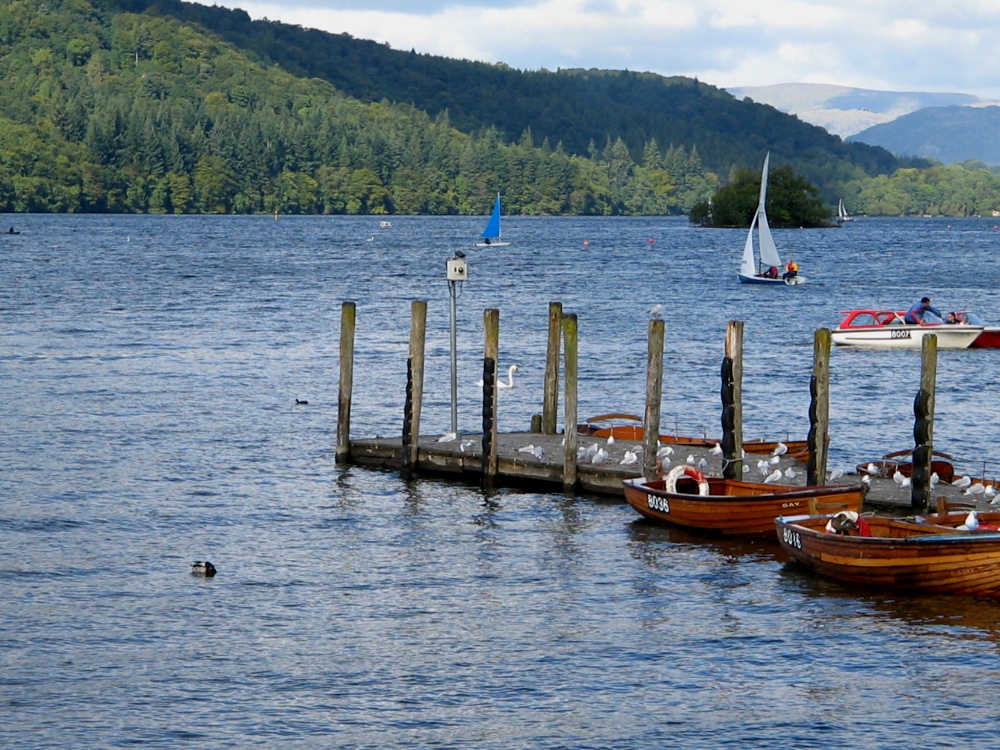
[(762, 264), (491, 236), (842, 214)]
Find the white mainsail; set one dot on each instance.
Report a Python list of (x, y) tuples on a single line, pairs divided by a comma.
[(767, 249)]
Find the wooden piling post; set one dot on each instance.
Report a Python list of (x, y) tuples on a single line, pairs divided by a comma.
[(550, 397), (654, 395), (923, 426), (414, 387), (732, 402), (569, 328), (819, 409), (491, 352), (348, 318)]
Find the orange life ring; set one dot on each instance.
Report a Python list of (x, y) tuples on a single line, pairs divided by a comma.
[(685, 470)]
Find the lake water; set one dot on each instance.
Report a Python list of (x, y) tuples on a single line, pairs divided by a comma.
[(150, 370)]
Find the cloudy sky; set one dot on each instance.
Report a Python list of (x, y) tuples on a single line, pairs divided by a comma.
[(894, 45)]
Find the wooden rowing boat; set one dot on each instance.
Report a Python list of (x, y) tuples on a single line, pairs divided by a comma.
[(934, 554), (605, 425), (730, 507), (941, 464)]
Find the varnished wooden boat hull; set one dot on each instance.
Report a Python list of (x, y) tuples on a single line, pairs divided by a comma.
[(734, 508), (929, 556)]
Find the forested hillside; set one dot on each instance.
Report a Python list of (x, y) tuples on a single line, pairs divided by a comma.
[(184, 108), (113, 111), (577, 108)]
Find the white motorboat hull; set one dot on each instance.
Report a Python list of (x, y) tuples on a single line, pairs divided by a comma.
[(907, 337), (744, 279)]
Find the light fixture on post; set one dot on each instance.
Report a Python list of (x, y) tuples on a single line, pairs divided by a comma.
[(458, 272)]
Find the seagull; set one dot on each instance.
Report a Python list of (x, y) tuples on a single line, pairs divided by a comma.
[(780, 449), (630, 458), (905, 483), (763, 467), (592, 450), (448, 437), (774, 476), (690, 459), (971, 522), (526, 449), (977, 489), (898, 477), (206, 569), (745, 468), (990, 491), (934, 479), (702, 463), (774, 460), (866, 480), (962, 483), (790, 473), (538, 452), (872, 470), (611, 439), (716, 450), (465, 445), (656, 312), (665, 450), (599, 456), (836, 474)]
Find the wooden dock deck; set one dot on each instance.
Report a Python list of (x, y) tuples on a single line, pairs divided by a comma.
[(462, 459)]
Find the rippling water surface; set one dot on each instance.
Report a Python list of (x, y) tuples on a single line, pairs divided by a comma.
[(150, 369)]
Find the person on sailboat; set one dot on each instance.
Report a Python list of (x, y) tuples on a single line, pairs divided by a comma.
[(772, 272), (791, 270), (918, 313)]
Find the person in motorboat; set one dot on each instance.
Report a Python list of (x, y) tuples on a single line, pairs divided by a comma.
[(923, 312), (962, 317), (791, 270)]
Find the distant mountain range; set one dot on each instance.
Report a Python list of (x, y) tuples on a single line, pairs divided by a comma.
[(942, 126)]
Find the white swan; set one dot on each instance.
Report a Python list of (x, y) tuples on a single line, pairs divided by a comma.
[(509, 385)]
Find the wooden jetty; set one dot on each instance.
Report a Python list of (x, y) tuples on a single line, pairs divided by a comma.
[(545, 459)]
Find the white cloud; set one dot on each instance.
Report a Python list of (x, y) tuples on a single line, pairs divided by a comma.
[(918, 45)]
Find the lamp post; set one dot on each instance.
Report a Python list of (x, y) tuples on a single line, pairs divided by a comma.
[(457, 273)]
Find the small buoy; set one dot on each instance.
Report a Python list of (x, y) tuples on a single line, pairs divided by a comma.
[(200, 568), (586, 242), (651, 240)]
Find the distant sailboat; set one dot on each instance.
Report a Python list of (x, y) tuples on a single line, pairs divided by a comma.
[(842, 214), (768, 270), (491, 235)]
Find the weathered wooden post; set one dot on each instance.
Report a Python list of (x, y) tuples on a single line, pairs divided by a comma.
[(550, 397), (923, 426), (414, 386), (491, 352), (569, 327), (819, 409), (348, 317), (732, 402), (654, 394)]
